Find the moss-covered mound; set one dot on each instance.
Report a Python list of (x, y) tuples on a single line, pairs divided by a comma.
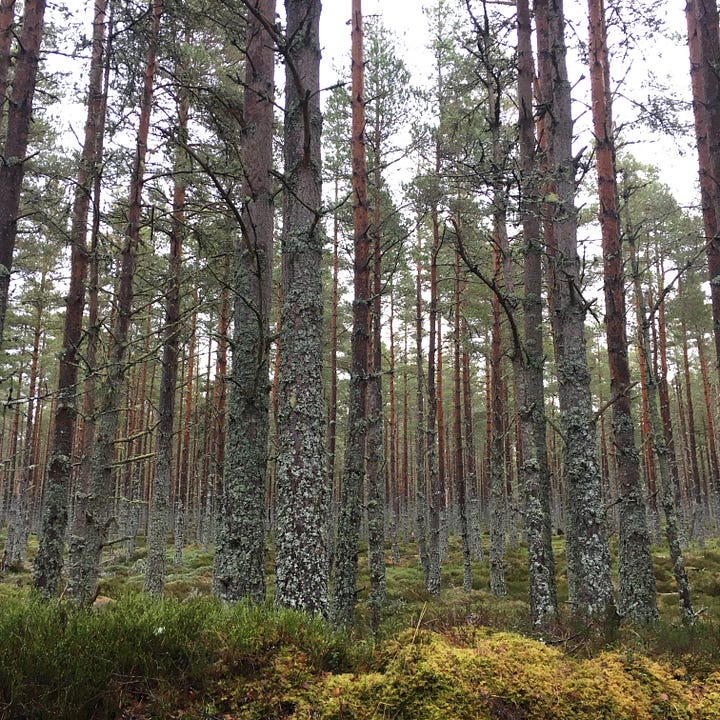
[(475, 673)]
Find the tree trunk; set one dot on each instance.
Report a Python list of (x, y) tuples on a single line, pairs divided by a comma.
[(240, 555), (699, 500), (459, 465), (589, 579), (19, 117), (442, 447), (332, 407), (436, 500), (664, 401), (18, 528), (376, 497), (709, 414), (672, 529), (704, 46), (213, 501), (302, 510), (421, 434), (92, 517), (158, 522), (344, 596), (496, 464), (396, 482), (531, 396), (7, 20), (184, 480), (636, 586)]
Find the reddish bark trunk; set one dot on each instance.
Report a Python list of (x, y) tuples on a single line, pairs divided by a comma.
[(7, 18), (49, 560), (19, 116), (636, 576), (709, 414), (704, 47), (92, 519), (344, 598)]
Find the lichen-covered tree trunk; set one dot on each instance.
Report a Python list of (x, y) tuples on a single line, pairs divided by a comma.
[(469, 462), (664, 402), (636, 586), (332, 404), (496, 465), (376, 502), (441, 444), (343, 596), (376, 458), (397, 480), (18, 528), (302, 487), (420, 436), (239, 569), (589, 578), (660, 448), (183, 480), (459, 465), (92, 511), (213, 504), (160, 498), (19, 116), (7, 20), (434, 549), (531, 396), (697, 526)]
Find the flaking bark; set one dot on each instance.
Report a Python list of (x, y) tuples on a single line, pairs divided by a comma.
[(302, 487), (589, 579), (529, 360), (240, 556)]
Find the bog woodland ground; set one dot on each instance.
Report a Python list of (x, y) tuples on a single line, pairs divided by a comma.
[(394, 395)]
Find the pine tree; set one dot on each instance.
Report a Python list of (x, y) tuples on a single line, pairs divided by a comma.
[(635, 569), (343, 596), (239, 561), (92, 513), (588, 556), (19, 115), (302, 488)]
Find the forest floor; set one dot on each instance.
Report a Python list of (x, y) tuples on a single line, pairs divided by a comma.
[(460, 656)]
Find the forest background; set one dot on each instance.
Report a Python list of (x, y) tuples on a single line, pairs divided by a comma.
[(493, 328)]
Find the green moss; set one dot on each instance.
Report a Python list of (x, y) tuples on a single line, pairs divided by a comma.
[(478, 673)]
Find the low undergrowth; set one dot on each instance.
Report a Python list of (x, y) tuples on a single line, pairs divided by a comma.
[(462, 655), (139, 658)]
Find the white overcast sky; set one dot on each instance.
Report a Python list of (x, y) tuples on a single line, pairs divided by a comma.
[(667, 58), (405, 18)]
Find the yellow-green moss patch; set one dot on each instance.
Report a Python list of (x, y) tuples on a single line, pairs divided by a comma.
[(477, 674)]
